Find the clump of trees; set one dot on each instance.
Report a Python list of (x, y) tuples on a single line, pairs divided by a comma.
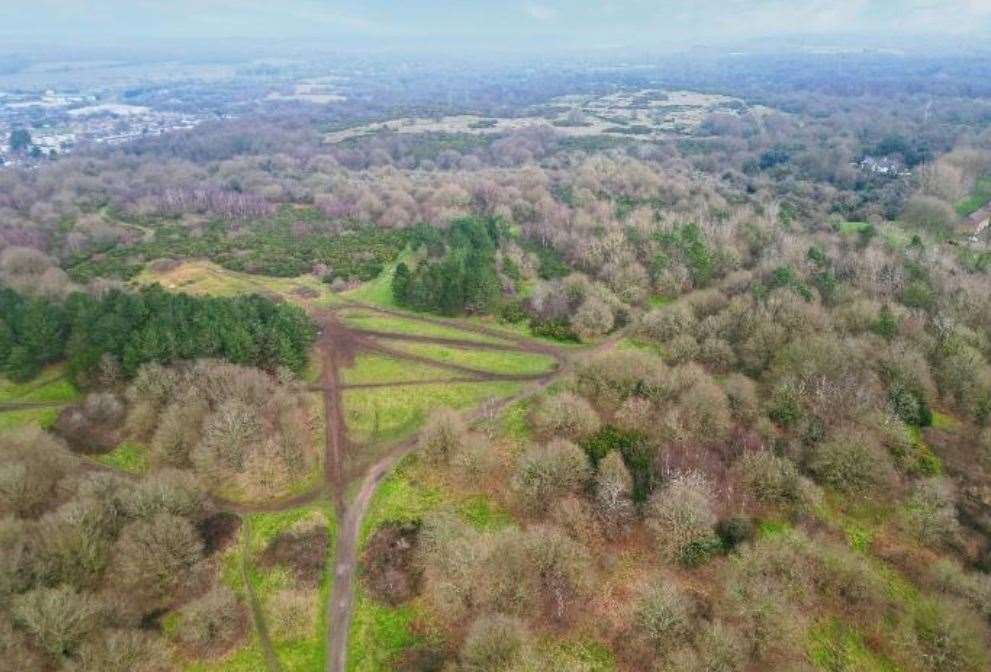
[(89, 557), (240, 429), (152, 325), (457, 273)]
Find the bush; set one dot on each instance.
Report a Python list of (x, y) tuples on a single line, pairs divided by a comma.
[(853, 463), (665, 324), (443, 435), (593, 319), (549, 472), (494, 643), (771, 479), (681, 514), (947, 639), (123, 651), (931, 512), (59, 618), (210, 624), (663, 617), (614, 493), (32, 462), (153, 558), (567, 415)]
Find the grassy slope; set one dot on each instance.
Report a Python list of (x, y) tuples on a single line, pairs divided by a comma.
[(202, 277)]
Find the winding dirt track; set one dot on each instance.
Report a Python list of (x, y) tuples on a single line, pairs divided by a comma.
[(337, 345)]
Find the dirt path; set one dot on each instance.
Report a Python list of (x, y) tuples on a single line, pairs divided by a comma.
[(272, 663), (337, 345), (335, 440)]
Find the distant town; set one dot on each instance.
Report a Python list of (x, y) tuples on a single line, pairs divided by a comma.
[(35, 127)]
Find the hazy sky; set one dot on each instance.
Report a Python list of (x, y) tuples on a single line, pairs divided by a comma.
[(654, 24)]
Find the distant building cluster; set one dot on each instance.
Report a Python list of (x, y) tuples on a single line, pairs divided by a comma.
[(35, 127), (884, 165)]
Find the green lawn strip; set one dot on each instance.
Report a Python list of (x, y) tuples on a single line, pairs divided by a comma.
[(379, 290), (370, 368), (394, 324), (492, 361), (37, 417), (386, 414), (129, 456), (51, 386)]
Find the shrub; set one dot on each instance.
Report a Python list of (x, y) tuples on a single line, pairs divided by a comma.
[(546, 473), (614, 493), (593, 319), (947, 639), (665, 324), (494, 643), (771, 479), (741, 394), (210, 624), (663, 617), (973, 587), (166, 491), (123, 651), (58, 618), (567, 415), (851, 462), (681, 513), (931, 514), (443, 435), (32, 462), (153, 558)]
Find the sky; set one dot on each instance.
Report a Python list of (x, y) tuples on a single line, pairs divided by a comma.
[(660, 25)]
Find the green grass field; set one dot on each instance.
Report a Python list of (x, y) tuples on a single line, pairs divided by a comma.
[(367, 319), (387, 414), (493, 361), (370, 369), (51, 387)]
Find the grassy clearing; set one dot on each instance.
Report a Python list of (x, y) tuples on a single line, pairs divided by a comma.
[(38, 417), (379, 290), (129, 456), (366, 319), (303, 652), (51, 386), (371, 368), (980, 194), (835, 646), (493, 361), (201, 277), (378, 634), (386, 414)]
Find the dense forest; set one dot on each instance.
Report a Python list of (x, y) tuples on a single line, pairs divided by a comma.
[(116, 333)]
